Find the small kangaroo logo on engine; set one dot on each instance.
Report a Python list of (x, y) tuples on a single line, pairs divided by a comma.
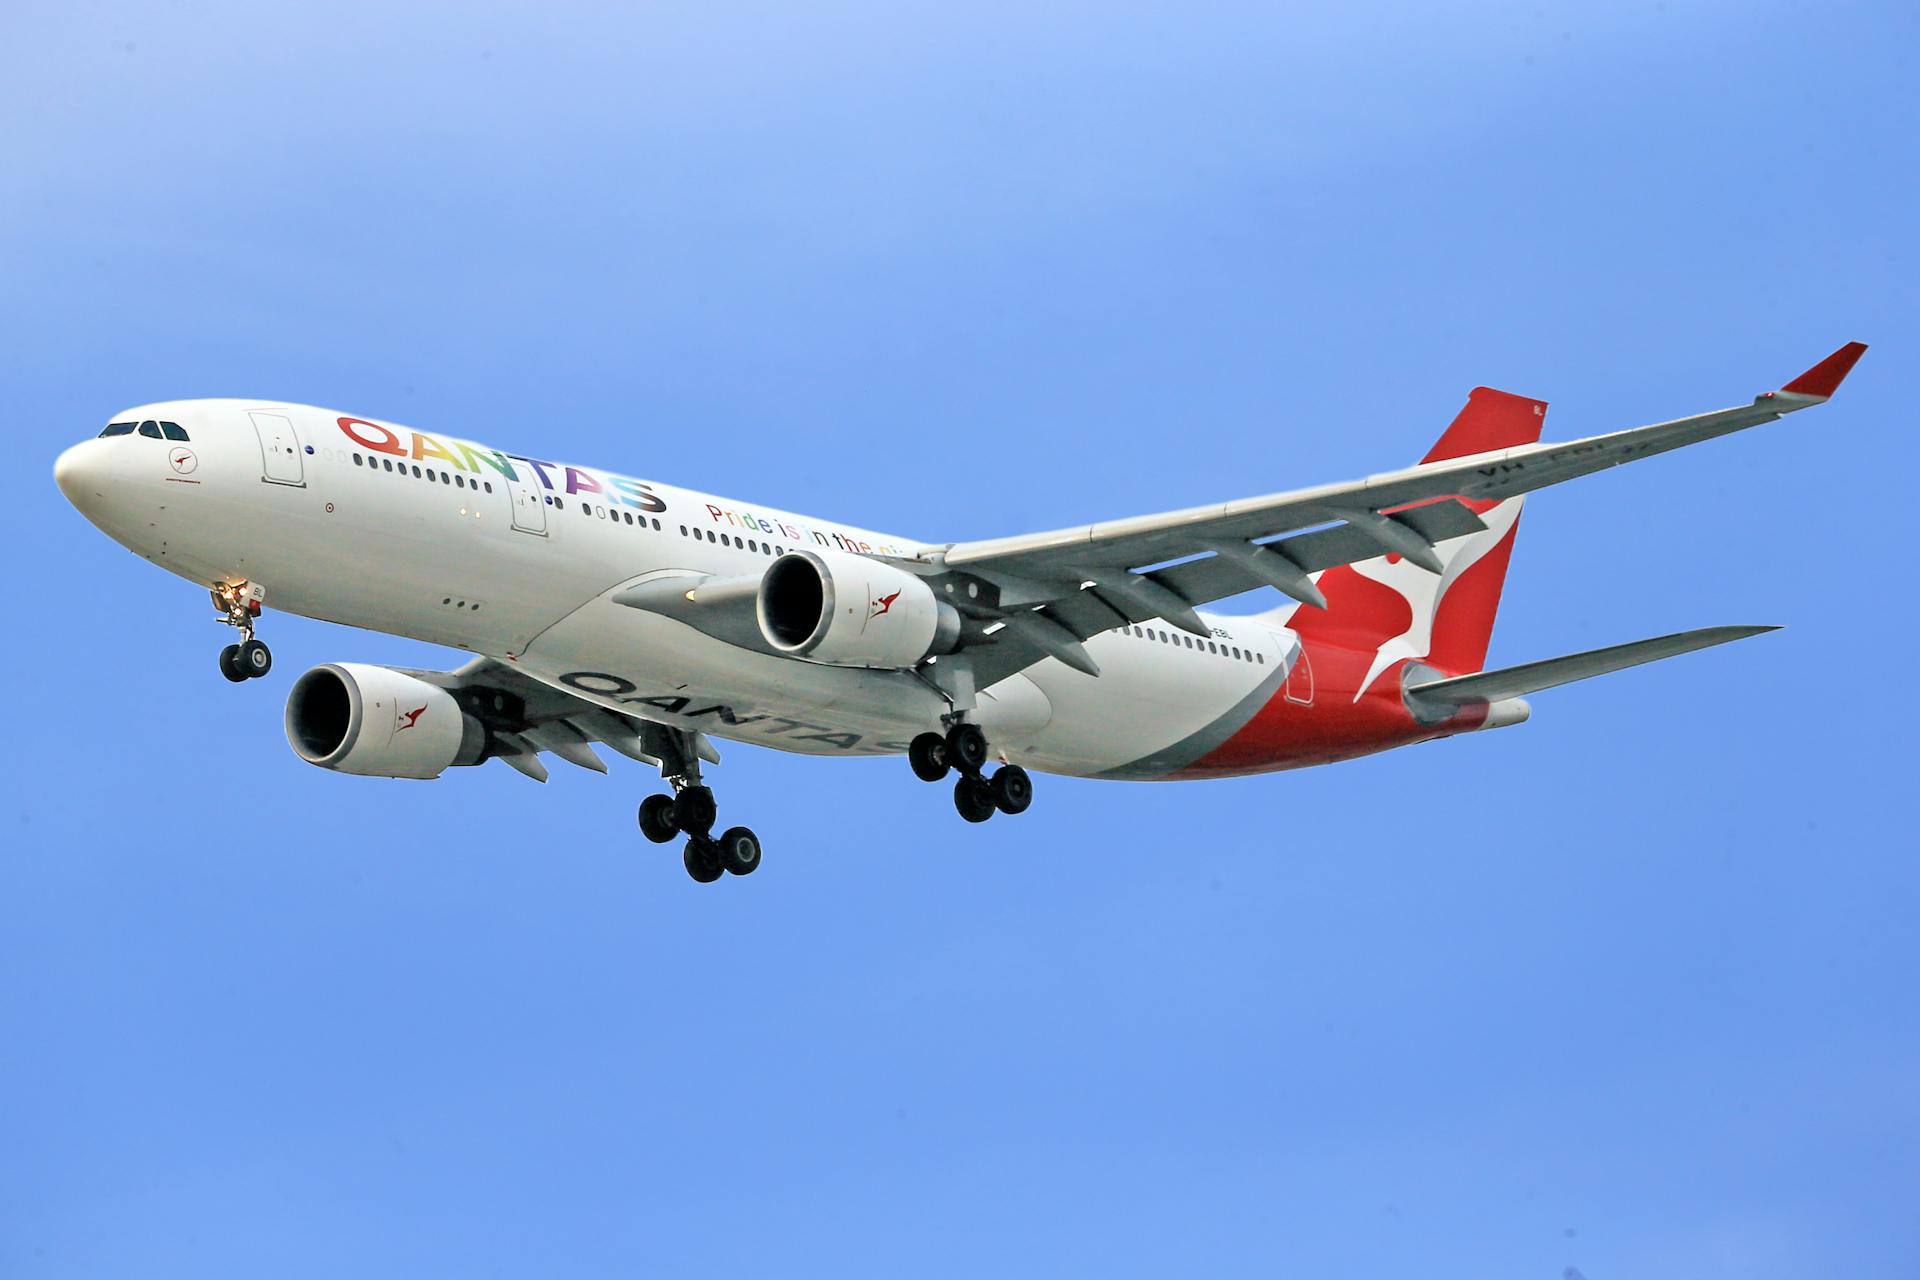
[(883, 605), (409, 718)]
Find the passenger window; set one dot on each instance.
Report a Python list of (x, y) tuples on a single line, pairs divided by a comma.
[(117, 429), (416, 470), (459, 482), (445, 478), (489, 485), (387, 463), (150, 429), (173, 431)]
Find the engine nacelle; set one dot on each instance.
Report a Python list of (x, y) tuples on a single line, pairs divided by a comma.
[(379, 722), (852, 611)]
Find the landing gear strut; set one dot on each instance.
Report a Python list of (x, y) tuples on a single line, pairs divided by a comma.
[(239, 605), (690, 811), (963, 748)]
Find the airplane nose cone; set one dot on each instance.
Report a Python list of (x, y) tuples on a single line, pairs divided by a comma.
[(79, 472)]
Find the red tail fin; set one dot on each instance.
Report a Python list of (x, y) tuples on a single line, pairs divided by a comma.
[(1395, 609), (1491, 420)]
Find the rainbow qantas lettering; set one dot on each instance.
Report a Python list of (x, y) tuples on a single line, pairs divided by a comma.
[(477, 460)]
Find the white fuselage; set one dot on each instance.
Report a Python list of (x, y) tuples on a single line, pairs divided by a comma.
[(377, 526)]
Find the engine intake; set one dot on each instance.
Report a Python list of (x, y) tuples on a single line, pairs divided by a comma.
[(852, 611), (380, 723)]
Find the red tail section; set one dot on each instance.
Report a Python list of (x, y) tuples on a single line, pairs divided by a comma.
[(1446, 620), (1491, 420), (1381, 614)]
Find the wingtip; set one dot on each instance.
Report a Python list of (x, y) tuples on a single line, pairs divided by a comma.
[(1825, 378)]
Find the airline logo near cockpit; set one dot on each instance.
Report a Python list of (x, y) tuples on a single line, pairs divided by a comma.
[(417, 446)]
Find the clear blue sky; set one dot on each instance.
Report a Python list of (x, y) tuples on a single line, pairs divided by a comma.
[(1628, 990)]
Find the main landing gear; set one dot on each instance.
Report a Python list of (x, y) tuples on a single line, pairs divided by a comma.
[(963, 748), (691, 811), (239, 605)]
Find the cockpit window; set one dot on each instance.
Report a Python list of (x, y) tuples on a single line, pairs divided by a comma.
[(173, 431), (117, 429), (150, 429)]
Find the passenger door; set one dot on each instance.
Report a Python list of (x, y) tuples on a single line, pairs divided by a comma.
[(279, 448), (529, 507)]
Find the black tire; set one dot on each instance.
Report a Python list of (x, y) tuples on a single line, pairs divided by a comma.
[(973, 798), (656, 819), (928, 756), (694, 810), (966, 747), (1012, 789), (740, 851), (703, 861), (230, 664), (254, 660)]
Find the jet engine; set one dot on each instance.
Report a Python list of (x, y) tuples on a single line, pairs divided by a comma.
[(379, 722), (852, 611)]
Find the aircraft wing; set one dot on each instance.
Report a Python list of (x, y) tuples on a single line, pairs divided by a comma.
[(1037, 595), (527, 718)]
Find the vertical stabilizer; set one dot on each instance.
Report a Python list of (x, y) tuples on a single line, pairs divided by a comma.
[(1394, 609)]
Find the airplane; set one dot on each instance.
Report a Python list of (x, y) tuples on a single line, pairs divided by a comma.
[(649, 619)]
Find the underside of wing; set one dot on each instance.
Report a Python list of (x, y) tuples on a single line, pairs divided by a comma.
[(527, 718)]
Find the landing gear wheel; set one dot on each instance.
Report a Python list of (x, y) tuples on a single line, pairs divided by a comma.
[(656, 819), (740, 851), (1012, 789), (966, 747), (230, 664), (694, 810), (928, 756), (973, 798), (254, 659), (702, 860)]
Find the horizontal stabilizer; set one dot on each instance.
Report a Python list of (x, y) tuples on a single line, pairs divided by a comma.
[(1531, 677)]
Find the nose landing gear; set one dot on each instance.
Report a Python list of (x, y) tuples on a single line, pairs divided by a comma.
[(239, 603), (964, 748)]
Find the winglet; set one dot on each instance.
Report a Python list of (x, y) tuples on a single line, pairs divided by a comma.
[(1825, 378)]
